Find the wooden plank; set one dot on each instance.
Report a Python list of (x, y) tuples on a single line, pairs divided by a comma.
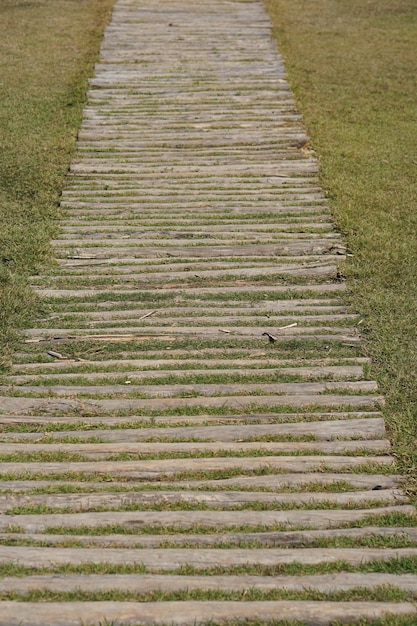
[(256, 358), (103, 450), (272, 483), (156, 469), (145, 583), (217, 500), (84, 294), (321, 270), (121, 333), (288, 538), (60, 405), (135, 521), (59, 413), (209, 389), (74, 227), (193, 613), (372, 428), (343, 371), (150, 251), (157, 560)]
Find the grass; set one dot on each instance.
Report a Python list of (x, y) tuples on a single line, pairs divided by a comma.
[(394, 566), (317, 486), (192, 475), (350, 65), (185, 378), (47, 52), (246, 413), (178, 439), (220, 417), (242, 541), (40, 509), (383, 593), (65, 456), (285, 347), (176, 362), (129, 299)]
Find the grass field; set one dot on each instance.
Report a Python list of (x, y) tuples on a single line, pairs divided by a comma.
[(47, 51), (352, 66)]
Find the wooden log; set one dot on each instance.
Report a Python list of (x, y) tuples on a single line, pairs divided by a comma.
[(367, 428), (104, 450), (158, 468), (216, 500), (146, 583), (183, 520), (193, 613), (242, 402), (157, 560)]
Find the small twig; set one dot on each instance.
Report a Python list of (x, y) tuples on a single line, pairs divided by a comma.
[(148, 315)]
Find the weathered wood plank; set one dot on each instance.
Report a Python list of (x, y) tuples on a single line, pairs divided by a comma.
[(135, 521), (85, 294), (120, 333), (59, 411), (210, 390), (372, 428), (242, 402), (104, 450), (193, 613), (144, 583), (255, 358), (346, 372), (156, 469), (288, 539), (273, 483), (157, 560), (217, 500)]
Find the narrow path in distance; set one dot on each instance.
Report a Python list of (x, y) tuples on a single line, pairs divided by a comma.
[(189, 433)]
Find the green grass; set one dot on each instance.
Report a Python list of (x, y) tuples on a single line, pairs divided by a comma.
[(196, 475), (332, 487), (393, 566), (373, 541), (399, 520), (223, 416), (272, 413), (47, 52), (151, 343), (185, 378), (169, 362), (40, 509), (351, 64), (377, 594), (61, 456)]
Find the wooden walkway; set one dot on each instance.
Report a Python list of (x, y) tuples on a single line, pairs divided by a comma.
[(190, 434)]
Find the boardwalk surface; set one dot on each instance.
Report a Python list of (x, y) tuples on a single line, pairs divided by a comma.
[(190, 434)]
